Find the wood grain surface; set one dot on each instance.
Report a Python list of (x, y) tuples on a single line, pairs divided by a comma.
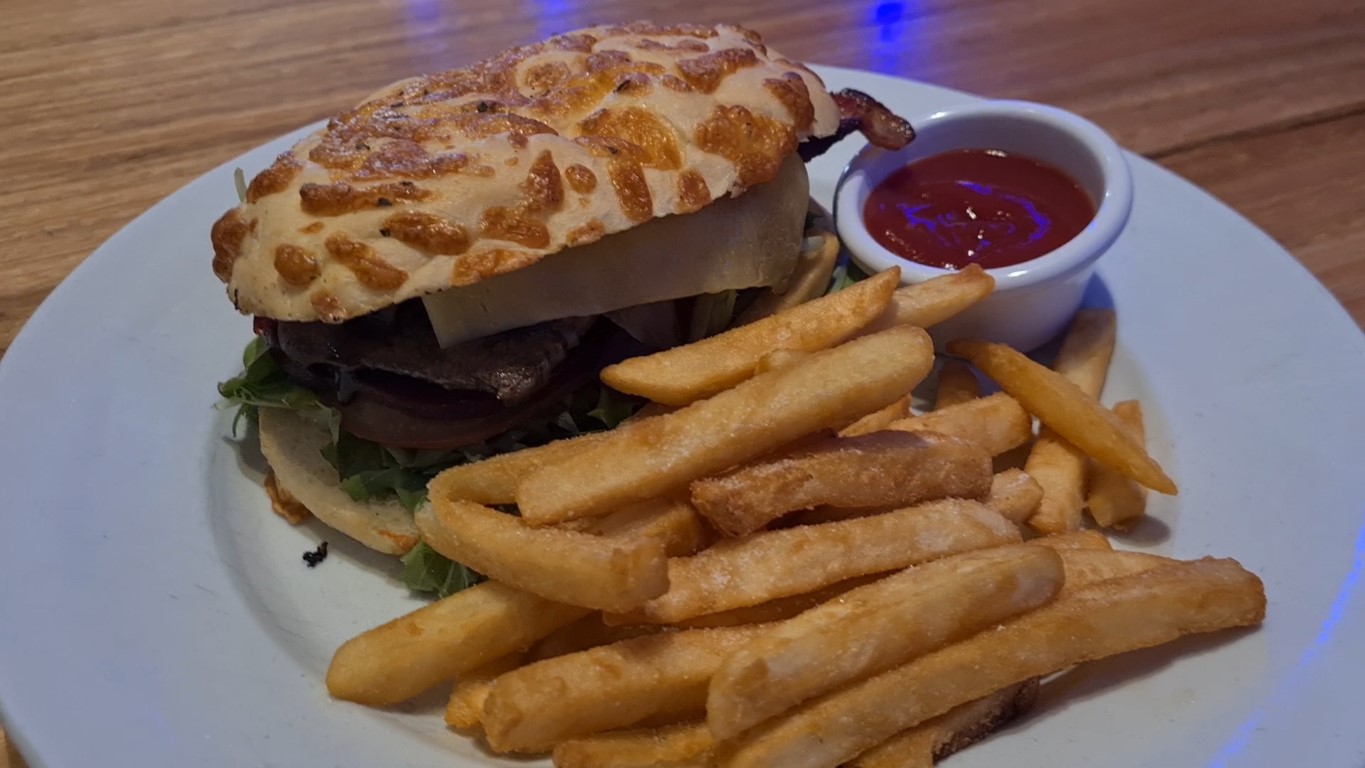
[(108, 107)]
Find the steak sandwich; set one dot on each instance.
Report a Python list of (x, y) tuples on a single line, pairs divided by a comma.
[(440, 273)]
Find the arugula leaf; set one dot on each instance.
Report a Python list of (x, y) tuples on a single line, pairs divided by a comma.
[(846, 273), (612, 408), (426, 570), (262, 384), (369, 470)]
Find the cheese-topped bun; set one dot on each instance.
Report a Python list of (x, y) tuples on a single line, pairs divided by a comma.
[(450, 179)]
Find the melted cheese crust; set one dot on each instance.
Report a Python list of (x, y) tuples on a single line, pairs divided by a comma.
[(450, 179)]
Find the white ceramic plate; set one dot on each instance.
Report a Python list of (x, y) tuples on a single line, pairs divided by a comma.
[(153, 611)]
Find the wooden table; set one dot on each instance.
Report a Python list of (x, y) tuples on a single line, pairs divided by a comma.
[(109, 107)]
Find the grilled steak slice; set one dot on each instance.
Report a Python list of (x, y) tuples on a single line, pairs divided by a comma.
[(511, 365)]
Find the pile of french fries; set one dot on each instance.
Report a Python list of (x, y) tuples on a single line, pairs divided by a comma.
[(782, 564)]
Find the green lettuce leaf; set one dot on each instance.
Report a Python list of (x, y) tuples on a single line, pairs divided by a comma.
[(262, 384), (370, 471), (426, 570), (846, 273)]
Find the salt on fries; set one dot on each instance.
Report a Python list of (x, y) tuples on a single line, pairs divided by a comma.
[(792, 568), (1067, 410), (688, 373), (828, 390), (606, 573), (1114, 501), (879, 469), (997, 423), (1110, 617), (874, 628), (1057, 465), (771, 564), (398, 660), (931, 302), (931, 741), (533, 708)]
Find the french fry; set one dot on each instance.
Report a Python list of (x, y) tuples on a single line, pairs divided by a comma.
[(828, 390), (695, 371), (771, 564), (1087, 349), (890, 469), (569, 567), (614, 686), (1056, 464), (1115, 501), (494, 480), (686, 745), (1061, 405), (821, 515), (1059, 469), (1014, 495), (952, 731), (878, 420), (1107, 618), (779, 359), (464, 710), (436, 643), (810, 279), (673, 522), (781, 609), (997, 423), (1075, 540), (956, 384), (1085, 567), (589, 632), (931, 302), (876, 627)]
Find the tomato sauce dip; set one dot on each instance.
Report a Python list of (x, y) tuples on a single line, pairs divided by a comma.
[(976, 206)]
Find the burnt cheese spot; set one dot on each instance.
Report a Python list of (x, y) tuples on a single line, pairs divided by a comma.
[(341, 198), (542, 78), (590, 232), (227, 236), (791, 90), (706, 72), (628, 180), (641, 127), (693, 194), (408, 159), (581, 178), (327, 307), (295, 265), (500, 223), (543, 187), (274, 179), (369, 268), (474, 267), (755, 144), (427, 232)]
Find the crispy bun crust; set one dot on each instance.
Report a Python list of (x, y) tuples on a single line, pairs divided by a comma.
[(448, 179)]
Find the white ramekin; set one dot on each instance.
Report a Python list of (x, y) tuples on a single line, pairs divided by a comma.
[(1033, 301)]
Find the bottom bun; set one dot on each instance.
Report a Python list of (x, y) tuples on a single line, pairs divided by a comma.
[(292, 442)]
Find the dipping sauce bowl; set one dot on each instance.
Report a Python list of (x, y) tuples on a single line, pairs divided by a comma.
[(1034, 299)]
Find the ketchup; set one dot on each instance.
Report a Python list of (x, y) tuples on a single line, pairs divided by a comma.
[(976, 206)]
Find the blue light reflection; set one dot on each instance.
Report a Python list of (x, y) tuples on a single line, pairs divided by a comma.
[(1298, 675)]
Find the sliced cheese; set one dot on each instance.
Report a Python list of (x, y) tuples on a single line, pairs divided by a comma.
[(740, 242)]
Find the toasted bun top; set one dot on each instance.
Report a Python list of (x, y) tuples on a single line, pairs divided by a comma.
[(448, 179)]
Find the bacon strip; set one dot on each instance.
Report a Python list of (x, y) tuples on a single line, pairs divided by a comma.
[(860, 112)]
